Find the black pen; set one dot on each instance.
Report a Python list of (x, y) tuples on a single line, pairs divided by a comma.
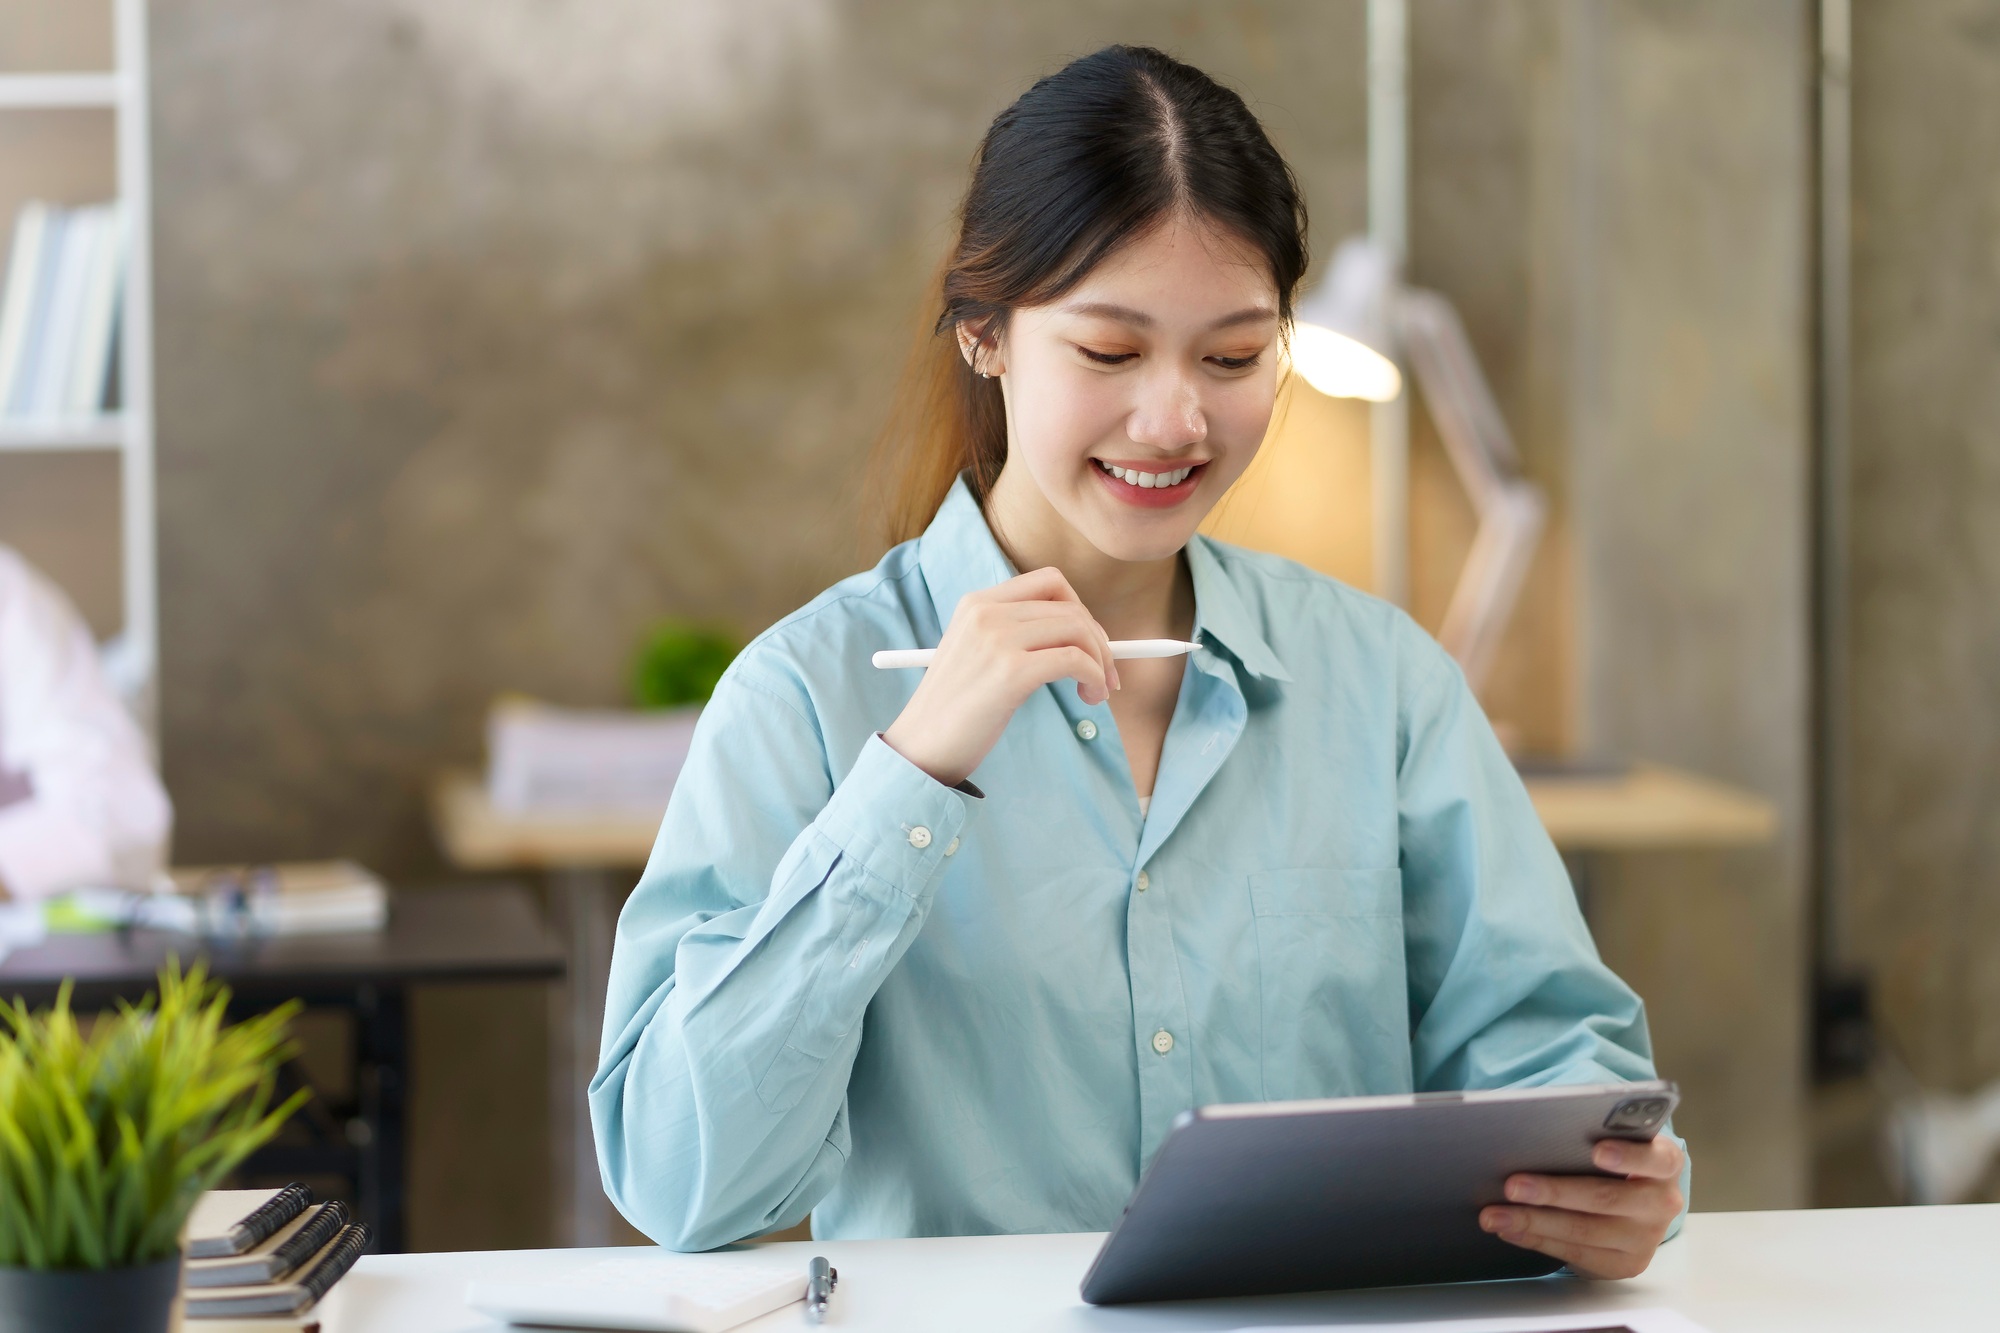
[(820, 1279)]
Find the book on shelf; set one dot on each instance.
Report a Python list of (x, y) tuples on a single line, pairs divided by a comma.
[(17, 299), (59, 311)]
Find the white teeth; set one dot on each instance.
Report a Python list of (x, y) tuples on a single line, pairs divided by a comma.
[(1148, 480)]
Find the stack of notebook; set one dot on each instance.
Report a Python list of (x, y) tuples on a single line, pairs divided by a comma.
[(264, 1259)]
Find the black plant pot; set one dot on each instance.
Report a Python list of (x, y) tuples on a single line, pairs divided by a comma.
[(89, 1300)]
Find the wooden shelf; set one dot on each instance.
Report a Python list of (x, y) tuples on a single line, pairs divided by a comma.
[(54, 92), (121, 90), (94, 432), (1649, 808)]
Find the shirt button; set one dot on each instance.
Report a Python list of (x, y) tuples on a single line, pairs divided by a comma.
[(1163, 1041), (920, 837), (951, 847), (1144, 882), (1086, 730)]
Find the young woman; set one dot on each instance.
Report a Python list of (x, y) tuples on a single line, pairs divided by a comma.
[(947, 952)]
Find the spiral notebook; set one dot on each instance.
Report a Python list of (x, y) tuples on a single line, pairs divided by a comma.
[(229, 1222), (293, 1295)]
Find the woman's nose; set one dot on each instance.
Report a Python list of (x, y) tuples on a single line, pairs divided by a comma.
[(1168, 414)]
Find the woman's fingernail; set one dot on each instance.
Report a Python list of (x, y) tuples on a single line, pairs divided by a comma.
[(1524, 1191), (1500, 1220)]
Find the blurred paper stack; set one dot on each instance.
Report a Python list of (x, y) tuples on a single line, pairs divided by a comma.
[(546, 760), (292, 898)]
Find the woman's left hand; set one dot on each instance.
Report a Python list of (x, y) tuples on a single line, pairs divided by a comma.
[(1601, 1228)]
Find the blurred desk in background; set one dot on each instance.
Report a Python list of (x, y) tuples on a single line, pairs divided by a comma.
[(1642, 808), (583, 856), (1648, 808), (446, 935)]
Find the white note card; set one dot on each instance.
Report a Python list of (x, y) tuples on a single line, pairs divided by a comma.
[(645, 1290)]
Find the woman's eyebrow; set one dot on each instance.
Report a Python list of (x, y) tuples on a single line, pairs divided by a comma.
[(1139, 319)]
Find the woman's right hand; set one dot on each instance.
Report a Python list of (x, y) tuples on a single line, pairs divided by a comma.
[(1003, 644)]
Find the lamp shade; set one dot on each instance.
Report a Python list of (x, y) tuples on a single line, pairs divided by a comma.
[(1341, 338)]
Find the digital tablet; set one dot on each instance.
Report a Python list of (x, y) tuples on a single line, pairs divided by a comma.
[(1265, 1197)]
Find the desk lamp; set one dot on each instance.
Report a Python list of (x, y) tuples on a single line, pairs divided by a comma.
[(1343, 344)]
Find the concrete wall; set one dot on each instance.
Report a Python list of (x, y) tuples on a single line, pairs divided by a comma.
[(1615, 193), (1690, 447), (1923, 910)]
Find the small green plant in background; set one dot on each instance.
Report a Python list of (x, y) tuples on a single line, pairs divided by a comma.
[(679, 663), (108, 1137)]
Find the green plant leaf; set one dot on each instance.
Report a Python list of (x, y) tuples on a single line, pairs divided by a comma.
[(107, 1140), (679, 663)]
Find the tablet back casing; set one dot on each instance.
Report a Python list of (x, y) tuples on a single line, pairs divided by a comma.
[(1367, 1192)]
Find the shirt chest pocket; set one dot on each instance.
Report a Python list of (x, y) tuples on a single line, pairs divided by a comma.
[(1332, 992)]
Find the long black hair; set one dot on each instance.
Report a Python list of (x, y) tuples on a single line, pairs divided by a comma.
[(1090, 158)]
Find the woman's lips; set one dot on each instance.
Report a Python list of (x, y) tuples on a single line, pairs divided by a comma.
[(1150, 497)]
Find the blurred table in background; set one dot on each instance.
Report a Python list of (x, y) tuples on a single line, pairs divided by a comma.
[(447, 935), (1590, 813), (584, 858), (1647, 807)]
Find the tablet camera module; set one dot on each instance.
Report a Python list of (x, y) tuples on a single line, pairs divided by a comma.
[(1641, 1115)]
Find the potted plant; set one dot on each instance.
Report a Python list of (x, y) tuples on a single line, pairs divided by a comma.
[(109, 1132), (679, 662)]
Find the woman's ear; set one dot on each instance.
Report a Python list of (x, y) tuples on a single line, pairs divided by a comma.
[(981, 355)]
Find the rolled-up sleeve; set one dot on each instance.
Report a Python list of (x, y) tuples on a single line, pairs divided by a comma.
[(776, 901), (1506, 986)]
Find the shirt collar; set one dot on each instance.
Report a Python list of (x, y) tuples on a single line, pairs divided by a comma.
[(957, 552), (1221, 615), (958, 555)]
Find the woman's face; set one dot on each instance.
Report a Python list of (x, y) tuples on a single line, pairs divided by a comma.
[(1135, 400)]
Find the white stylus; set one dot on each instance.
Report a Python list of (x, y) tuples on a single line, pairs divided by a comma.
[(1122, 650)]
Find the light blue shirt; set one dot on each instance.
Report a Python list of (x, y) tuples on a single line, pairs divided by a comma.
[(842, 987)]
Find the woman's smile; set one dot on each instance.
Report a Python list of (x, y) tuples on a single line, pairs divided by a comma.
[(1149, 484)]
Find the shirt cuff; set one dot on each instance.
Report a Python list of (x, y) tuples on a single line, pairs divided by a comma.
[(894, 820)]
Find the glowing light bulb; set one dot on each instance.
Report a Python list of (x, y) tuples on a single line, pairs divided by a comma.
[(1343, 367)]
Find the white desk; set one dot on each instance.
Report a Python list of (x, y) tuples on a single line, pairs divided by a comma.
[(1928, 1269)]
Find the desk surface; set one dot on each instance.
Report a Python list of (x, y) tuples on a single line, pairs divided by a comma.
[(465, 933), (1646, 808), (1799, 1272), (1649, 808)]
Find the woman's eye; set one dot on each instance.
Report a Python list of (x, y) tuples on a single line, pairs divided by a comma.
[(1108, 358), (1236, 362)]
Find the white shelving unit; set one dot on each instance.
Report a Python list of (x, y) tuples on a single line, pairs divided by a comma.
[(132, 655)]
